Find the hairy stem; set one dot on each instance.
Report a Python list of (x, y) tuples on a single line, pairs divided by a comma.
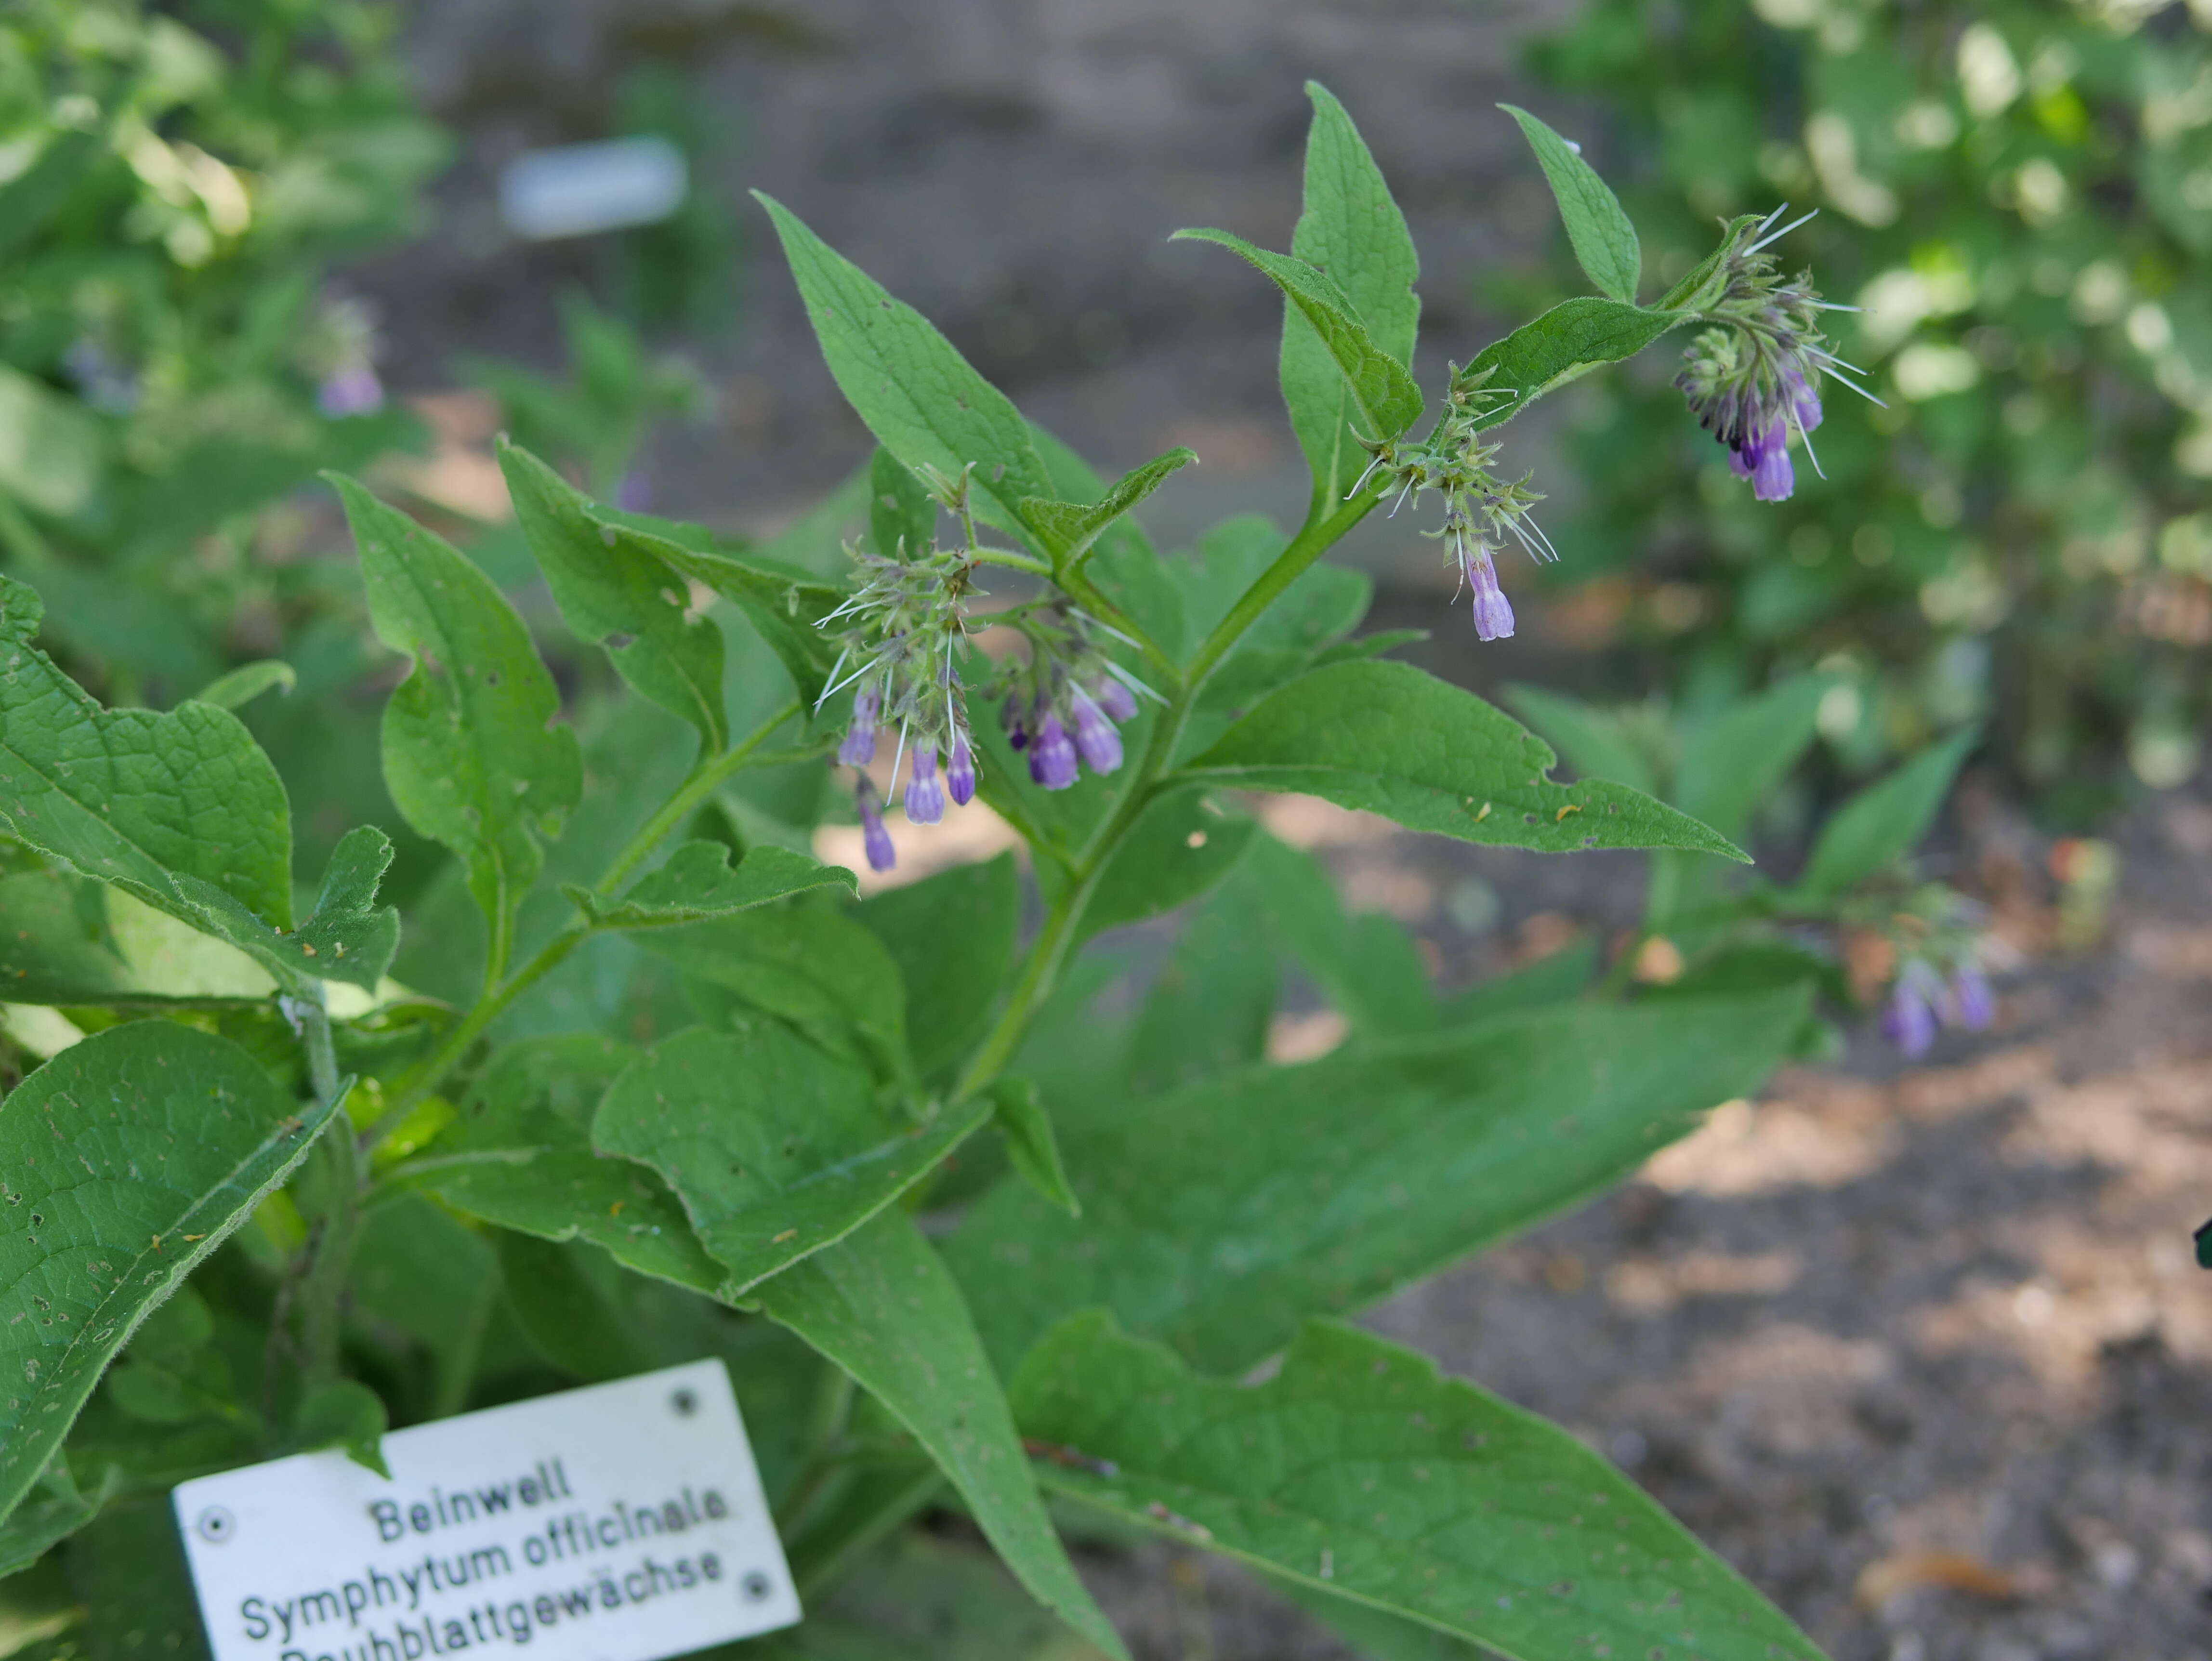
[(1057, 937)]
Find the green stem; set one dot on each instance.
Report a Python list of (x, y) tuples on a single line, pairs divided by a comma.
[(1314, 540), (704, 779), (1011, 560), (322, 1289)]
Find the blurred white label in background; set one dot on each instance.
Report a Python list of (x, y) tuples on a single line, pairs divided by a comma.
[(576, 189)]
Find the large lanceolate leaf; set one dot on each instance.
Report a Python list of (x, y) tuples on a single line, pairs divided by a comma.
[(1382, 388), (123, 1161), (782, 604), (1352, 231), (149, 801), (1216, 1217), (1180, 846), (776, 1149), (1882, 822), (617, 596), (1567, 342), (909, 384), (520, 1155), (881, 1306), (1604, 240), (1358, 1470), (472, 755), (1396, 740)]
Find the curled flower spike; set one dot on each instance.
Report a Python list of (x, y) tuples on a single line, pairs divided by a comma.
[(1061, 706), (875, 835), (925, 791), (1753, 378), (1481, 510)]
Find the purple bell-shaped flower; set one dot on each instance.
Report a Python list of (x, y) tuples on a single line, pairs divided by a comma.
[(1096, 740), (925, 791), (875, 835), (960, 773), (1052, 755), (859, 748)]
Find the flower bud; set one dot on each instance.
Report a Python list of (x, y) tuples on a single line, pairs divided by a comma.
[(874, 834), (960, 776), (859, 748), (1119, 702)]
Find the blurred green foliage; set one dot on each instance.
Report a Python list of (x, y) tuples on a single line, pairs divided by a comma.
[(2020, 197), (173, 184)]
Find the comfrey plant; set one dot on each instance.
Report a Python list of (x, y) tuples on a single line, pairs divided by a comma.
[(648, 1082)]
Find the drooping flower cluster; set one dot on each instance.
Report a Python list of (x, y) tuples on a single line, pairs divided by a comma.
[(1923, 998), (1064, 705), (906, 628), (1480, 509), (1753, 378)]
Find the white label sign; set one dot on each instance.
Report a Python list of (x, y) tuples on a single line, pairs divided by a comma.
[(624, 1521)]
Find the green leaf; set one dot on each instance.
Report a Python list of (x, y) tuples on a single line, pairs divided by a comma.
[(1351, 230), (246, 683), (1066, 530), (816, 968), (1604, 240), (775, 1149), (70, 939), (1388, 399), (349, 937), (132, 796), (1595, 742), (1212, 1004), (520, 1156), (697, 883), (1883, 822), (952, 937), (124, 1162), (1563, 345), (923, 401), (881, 1305), (472, 755), (615, 594), (1395, 740), (1359, 1470), (1366, 965), (53, 448), (901, 513), (1180, 846), (342, 1413), (783, 605), (1732, 762), (1216, 1217), (566, 1312), (1564, 974), (45, 1520), (923, 1595), (1031, 1148), (1703, 282)]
